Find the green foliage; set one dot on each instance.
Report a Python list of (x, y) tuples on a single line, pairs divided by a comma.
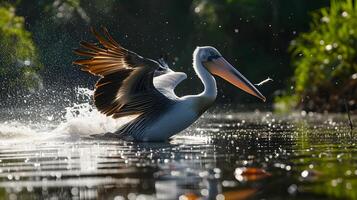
[(18, 58), (325, 57), (285, 103)]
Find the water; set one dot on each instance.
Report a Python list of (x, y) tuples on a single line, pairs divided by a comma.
[(225, 155)]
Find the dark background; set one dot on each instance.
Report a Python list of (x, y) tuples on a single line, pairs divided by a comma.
[(252, 34)]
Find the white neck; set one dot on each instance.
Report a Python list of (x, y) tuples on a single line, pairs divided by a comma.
[(209, 93)]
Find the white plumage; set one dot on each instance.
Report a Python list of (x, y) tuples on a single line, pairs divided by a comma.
[(133, 85)]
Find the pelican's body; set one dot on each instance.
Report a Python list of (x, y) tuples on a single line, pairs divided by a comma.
[(177, 118), (133, 85)]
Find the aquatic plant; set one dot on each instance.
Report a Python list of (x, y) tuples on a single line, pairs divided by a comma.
[(19, 61), (325, 60)]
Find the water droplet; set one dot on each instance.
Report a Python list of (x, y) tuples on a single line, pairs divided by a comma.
[(328, 47), (303, 113), (354, 76), (204, 192), (220, 197), (119, 198), (74, 191), (27, 62), (325, 19), (304, 173), (292, 189), (344, 14)]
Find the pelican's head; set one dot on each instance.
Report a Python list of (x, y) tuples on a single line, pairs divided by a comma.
[(217, 65)]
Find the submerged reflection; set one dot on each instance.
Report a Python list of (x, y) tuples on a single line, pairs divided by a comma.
[(223, 157)]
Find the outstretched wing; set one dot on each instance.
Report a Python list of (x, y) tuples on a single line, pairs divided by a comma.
[(126, 85)]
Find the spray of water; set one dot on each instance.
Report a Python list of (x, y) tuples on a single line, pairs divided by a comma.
[(78, 121)]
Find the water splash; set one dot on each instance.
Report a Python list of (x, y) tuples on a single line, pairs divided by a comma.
[(78, 121), (83, 120)]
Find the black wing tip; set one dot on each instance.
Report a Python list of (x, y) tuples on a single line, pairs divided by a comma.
[(105, 38), (74, 50), (95, 32), (92, 29), (104, 29), (82, 42)]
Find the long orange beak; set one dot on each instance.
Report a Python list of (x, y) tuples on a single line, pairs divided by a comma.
[(223, 69)]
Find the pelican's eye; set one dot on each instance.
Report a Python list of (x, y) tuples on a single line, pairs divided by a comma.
[(213, 57)]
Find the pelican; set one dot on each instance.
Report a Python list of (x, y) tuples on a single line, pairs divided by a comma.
[(131, 85)]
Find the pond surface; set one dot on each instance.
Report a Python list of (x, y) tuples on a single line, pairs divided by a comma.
[(222, 156)]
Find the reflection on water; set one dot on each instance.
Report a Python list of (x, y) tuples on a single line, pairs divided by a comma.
[(235, 156)]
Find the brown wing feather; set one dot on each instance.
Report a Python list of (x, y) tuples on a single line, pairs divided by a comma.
[(126, 84)]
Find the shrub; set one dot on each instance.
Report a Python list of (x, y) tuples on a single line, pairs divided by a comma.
[(325, 60), (18, 56)]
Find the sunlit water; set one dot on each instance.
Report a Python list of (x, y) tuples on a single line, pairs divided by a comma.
[(225, 155)]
